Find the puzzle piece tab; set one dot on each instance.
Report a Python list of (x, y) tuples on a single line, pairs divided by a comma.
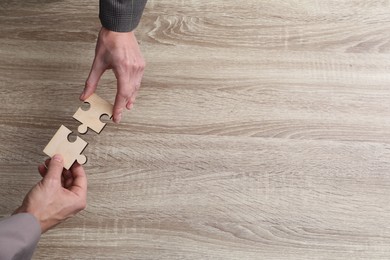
[(91, 117), (70, 152)]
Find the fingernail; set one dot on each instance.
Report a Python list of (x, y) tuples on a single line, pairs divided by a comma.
[(57, 158), (82, 95), (118, 118)]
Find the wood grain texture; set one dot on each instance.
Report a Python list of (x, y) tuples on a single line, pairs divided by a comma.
[(261, 130)]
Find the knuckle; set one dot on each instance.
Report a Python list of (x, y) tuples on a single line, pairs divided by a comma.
[(88, 84), (125, 64), (125, 93), (51, 181), (82, 204), (135, 65), (142, 64), (128, 64)]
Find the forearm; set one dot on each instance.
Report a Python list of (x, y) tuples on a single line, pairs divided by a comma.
[(121, 15), (19, 236)]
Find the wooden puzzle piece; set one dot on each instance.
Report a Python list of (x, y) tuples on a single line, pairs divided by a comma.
[(69, 151), (91, 117)]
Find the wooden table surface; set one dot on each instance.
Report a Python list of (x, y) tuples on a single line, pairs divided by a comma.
[(262, 129)]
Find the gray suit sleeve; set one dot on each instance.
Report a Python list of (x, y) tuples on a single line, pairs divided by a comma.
[(121, 15), (19, 236)]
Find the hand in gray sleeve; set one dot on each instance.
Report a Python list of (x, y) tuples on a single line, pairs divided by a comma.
[(121, 15), (58, 196), (117, 49), (19, 235)]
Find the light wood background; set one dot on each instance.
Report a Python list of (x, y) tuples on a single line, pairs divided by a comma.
[(262, 129)]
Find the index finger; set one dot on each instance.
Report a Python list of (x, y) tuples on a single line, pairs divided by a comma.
[(79, 185)]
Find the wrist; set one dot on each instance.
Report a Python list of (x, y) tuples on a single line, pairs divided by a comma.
[(23, 210), (106, 32), (42, 223)]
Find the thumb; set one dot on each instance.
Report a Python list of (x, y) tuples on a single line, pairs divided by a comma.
[(92, 81), (54, 170)]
